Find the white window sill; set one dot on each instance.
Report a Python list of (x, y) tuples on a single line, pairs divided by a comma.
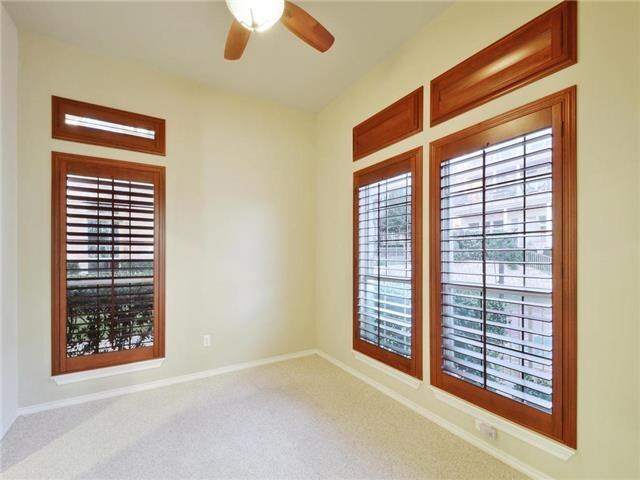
[(392, 372), (532, 438), (106, 371)]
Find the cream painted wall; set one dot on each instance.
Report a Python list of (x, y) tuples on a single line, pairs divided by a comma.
[(240, 236), (243, 247), (608, 225), (8, 222)]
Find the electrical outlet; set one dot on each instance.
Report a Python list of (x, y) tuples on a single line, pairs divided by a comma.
[(206, 340), (487, 431)]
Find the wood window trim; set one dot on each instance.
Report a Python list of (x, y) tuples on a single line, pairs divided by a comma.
[(64, 163), (561, 109), (544, 45), (396, 122), (410, 161), (75, 133)]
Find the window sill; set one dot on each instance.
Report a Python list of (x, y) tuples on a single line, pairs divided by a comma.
[(392, 372), (521, 433), (106, 371)]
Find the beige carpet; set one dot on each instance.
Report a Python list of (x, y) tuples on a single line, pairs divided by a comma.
[(301, 419)]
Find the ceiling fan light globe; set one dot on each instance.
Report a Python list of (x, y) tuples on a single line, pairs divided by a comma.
[(256, 15)]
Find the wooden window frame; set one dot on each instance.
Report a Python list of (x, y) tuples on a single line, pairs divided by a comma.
[(396, 122), (544, 45), (64, 163), (75, 133), (560, 110), (410, 161)]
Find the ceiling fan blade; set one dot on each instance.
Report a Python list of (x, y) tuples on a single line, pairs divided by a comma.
[(237, 40), (307, 28)]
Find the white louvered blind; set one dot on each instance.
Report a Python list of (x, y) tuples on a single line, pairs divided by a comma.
[(496, 268), (384, 264), (110, 265)]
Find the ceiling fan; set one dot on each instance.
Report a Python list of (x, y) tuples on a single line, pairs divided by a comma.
[(260, 15)]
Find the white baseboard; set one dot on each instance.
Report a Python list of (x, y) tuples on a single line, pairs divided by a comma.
[(116, 392), (446, 424)]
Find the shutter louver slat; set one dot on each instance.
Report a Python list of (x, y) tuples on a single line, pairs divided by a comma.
[(110, 261), (387, 274), (496, 268), (385, 264)]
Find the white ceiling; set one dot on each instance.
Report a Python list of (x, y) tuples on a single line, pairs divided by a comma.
[(187, 38)]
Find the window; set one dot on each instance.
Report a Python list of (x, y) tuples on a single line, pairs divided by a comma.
[(88, 122), (98, 125), (108, 262), (503, 265), (387, 313)]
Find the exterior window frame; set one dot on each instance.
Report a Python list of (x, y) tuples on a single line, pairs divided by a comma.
[(410, 161), (63, 164), (558, 111)]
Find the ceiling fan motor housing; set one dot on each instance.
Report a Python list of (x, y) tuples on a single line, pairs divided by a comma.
[(256, 15)]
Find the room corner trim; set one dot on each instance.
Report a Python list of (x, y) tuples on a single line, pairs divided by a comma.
[(446, 424), (7, 427), (116, 392)]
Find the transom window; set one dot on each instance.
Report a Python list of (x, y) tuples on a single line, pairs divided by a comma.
[(99, 125), (88, 122)]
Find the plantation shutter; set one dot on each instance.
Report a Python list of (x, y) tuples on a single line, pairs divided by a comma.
[(496, 268), (110, 264), (385, 264)]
